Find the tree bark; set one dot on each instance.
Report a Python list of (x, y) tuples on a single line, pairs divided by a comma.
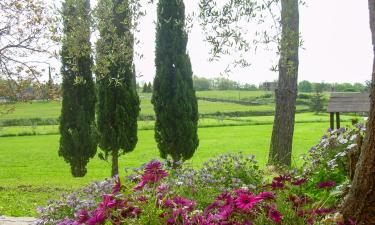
[(286, 91), (114, 162), (360, 203)]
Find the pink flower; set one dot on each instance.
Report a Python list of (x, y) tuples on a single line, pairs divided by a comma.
[(299, 182), (246, 202), (140, 186), (108, 202), (83, 216), (282, 178), (225, 212), (275, 215), (117, 187), (142, 198), (277, 185), (162, 188), (98, 218), (323, 211), (266, 195), (326, 184)]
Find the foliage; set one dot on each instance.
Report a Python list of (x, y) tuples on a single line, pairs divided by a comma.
[(174, 99), (27, 31), (305, 86), (201, 83), (330, 156), (77, 125), (317, 102), (147, 87)]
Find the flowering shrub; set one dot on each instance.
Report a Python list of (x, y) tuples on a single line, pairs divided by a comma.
[(149, 199), (68, 205), (224, 173), (227, 190)]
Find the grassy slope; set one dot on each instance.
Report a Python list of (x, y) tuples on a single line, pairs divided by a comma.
[(206, 122), (52, 109), (31, 171)]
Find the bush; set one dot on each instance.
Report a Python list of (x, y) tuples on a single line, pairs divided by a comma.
[(229, 189)]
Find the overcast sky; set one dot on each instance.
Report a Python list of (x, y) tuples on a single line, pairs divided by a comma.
[(337, 46)]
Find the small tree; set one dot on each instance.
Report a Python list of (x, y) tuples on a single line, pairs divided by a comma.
[(77, 124), (145, 88), (173, 96), (149, 87), (317, 102), (118, 99), (305, 86)]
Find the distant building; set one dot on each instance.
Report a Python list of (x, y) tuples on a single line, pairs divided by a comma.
[(268, 86)]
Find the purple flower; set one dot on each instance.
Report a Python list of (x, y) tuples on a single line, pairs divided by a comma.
[(326, 184), (266, 195), (83, 216), (299, 182), (98, 218), (275, 215), (117, 187), (277, 185), (108, 202), (246, 202)]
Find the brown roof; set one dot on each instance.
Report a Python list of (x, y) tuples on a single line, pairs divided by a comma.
[(349, 102)]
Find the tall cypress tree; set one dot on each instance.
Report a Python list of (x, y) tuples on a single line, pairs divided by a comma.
[(77, 124), (118, 99), (174, 99)]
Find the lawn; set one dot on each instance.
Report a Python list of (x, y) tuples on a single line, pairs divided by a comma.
[(236, 95), (203, 122), (31, 171), (52, 109)]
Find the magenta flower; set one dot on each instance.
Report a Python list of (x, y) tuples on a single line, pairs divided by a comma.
[(140, 186), (153, 174), (162, 188), (282, 178), (83, 216), (323, 211), (108, 202), (98, 218), (326, 184), (117, 187), (277, 185), (299, 182), (275, 215), (246, 202), (225, 212), (266, 195)]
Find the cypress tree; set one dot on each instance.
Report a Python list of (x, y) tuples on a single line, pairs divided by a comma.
[(77, 123), (118, 99), (174, 99), (145, 88)]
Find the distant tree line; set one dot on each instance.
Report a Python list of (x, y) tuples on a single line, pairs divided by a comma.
[(307, 86), (220, 83)]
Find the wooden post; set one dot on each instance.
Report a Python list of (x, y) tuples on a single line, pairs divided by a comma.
[(332, 116), (338, 120)]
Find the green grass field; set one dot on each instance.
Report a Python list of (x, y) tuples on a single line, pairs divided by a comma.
[(31, 171), (204, 122), (52, 109)]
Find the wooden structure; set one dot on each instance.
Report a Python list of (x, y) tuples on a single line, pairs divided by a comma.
[(347, 103)]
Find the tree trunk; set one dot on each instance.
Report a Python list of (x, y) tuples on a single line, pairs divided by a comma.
[(286, 91), (115, 162), (360, 203)]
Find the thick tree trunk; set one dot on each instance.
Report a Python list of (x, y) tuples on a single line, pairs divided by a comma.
[(114, 162), (286, 91), (360, 203)]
